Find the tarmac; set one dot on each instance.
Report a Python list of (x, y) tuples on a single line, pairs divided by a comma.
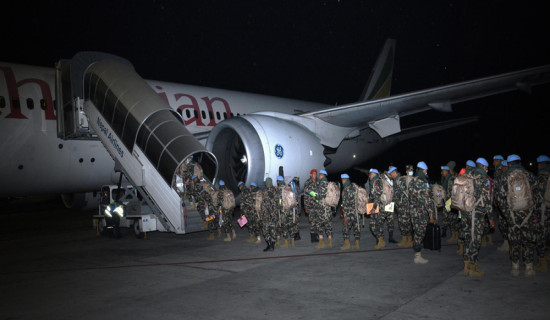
[(55, 266)]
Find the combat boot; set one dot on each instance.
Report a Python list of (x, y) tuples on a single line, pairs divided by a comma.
[(355, 244), (329, 242), (453, 238), (314, 237), (466, 267), (297, 236), (292, 243), (219, 233), (204, 225), (390, 239), (258, 240), (380, 243), (270, 246), (489, 239), (460, 250), (210, 236), (227, 238), (233, 234), (483, 241), (321, 244), (346, 245), (542, 265), (418, 258), (285, 243), (475, 272), (277, 243), (251, 238), (402, 242), (409, 243), (529, 272), (515, 269), (504, 247)]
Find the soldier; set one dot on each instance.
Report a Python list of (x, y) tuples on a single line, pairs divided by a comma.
[(421, 209), (543, 210), (499, 200), (445, 177), (285, 216), (387, 216), (206, 209), (226, 215), (402, 205), (309, 204), (351, 216), (268, 215), (247, 210), (470, 165), (376, 222), (324, 212), (521, 220), (452, 217), (501, 166), (195, 190), (472, 222), (256, 221), (295, 225)]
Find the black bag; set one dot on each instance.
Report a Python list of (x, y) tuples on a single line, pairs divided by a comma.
[(432, 240)]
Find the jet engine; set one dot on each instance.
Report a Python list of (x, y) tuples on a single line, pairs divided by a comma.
[(253, 147), (81, 201)]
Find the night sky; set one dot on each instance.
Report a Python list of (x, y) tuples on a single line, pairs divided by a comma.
[(320, 51)]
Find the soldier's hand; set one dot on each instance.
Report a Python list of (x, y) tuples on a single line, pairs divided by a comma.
[(432, 219), (345, 221), (492, 223)]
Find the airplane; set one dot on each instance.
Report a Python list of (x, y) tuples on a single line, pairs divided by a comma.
[(252, 136)]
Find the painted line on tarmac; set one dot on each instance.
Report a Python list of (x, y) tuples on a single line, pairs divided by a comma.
[(148, 265)]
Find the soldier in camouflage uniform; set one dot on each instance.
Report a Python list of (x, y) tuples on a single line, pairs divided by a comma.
[(376, 221), (452, 216), (284, 226), (470, 166), (205, 205), (500, 164), (543, 210), (351, 216), (472, 222), (309, 204), (268, 215), (421, 209), (324, 212), (248, 201), (521, 223), (443, 215), (195, 189), (402, 206), (226, 215), (295, 226)]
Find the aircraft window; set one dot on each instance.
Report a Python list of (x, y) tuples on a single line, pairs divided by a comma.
[(188, 113), (210, 114), (203, 114), (225, 115), (218, 115), (43, 104), (231, 114), (2, 102), (196, 114), (238, 114), (16, 103), (30, 103)]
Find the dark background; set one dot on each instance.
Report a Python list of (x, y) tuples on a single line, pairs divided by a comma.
[(320, 51)]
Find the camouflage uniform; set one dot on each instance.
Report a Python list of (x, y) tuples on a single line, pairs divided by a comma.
[(248, 201), (499, 178), (521, 223), (472, 222), (311, 208), (376, 219), (445, 217), (268, 215), (421, 207), (351, 216), (295, 225), (452, 217), (324, 211), (195, 188), (402, 205), (285, 221), (203, 201), (543, 212), (225, 214)]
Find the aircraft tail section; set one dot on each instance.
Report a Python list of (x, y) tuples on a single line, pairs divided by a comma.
[(379, 84)]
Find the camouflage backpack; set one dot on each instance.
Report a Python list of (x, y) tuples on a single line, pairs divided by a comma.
[(287, 195), (387, 191), (213, 193), (258, 201), (197, 170), (462, 197), (361, 199), (333, 194), (520, 196), (438, 194), (228, 199)]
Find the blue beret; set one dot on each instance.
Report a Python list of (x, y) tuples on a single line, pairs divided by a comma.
[(392, 169), (323, 172), (422, 165), (239, 184), (543, 158), (253, 184), (374, 170), (222, 183), (498, 157), (513, 157), (280, 178), (504, 163), (482, 161), (470, 163), (202, 191), (195, 176), (445, 168), (344, 176)]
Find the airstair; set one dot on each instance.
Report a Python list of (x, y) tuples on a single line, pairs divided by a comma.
[(145, 137)]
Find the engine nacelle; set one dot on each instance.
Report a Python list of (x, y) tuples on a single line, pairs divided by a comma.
[(252, 147), (81, 201)]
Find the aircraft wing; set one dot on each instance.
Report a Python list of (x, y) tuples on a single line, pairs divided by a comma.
[(382, 115)]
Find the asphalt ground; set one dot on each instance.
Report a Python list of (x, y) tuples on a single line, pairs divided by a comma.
[(54, 266)]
